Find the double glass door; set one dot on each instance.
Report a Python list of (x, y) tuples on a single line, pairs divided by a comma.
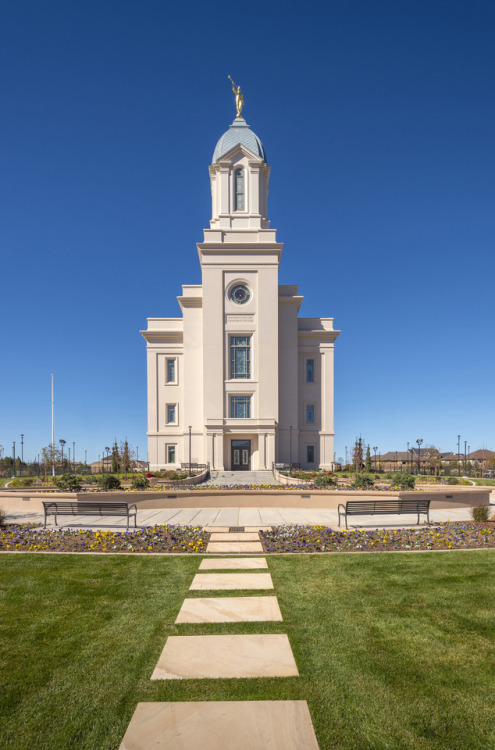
[(241, 455)]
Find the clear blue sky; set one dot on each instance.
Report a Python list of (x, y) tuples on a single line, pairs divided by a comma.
[(378, 119)]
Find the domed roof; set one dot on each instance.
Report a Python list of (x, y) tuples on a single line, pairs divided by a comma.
[(239, 133)]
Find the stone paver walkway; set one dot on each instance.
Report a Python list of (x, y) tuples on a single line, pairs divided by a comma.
[(232, 725)]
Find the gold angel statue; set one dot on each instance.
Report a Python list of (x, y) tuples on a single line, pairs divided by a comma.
[(239, 99)]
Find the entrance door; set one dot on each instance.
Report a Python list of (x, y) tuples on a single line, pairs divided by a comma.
[(240, 455)]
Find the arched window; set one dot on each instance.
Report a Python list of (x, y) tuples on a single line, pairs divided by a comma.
[(239, 190)]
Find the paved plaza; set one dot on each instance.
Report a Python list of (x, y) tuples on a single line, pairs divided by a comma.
[(219, 520)]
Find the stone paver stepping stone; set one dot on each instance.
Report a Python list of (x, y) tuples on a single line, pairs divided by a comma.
[(235, 536), (230, 609), (189, 657), (234, 563), (223, 529), (230, 581), (229, 547), (221, 725)]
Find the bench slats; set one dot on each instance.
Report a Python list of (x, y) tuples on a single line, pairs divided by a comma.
[(384, 507), (89, 508)]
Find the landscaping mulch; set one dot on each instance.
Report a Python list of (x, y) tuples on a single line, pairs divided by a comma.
[(443, 536), (163, 538)]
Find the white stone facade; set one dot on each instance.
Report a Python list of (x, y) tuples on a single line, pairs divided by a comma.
[(240, 381)]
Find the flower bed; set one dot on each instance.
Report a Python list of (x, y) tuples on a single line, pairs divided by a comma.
[(32, 538), (444, 536)]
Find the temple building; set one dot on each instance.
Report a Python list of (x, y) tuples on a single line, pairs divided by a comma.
[(239, 381)]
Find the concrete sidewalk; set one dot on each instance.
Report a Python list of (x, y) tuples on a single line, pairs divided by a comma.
[(251, 517)]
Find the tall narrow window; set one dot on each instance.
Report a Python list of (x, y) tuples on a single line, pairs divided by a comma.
[(171, 414), (171, 454), (310, 371), (171, 371), (310, 454), (310, 413), (240, 407), (239, 190), (240, 357)]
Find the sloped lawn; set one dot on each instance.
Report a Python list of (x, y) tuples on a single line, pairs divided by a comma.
[(394, 651)]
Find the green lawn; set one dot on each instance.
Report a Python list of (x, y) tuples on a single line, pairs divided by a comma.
[(394, 650)]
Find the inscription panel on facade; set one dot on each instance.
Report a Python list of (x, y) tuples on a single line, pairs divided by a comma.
[(241, 319)]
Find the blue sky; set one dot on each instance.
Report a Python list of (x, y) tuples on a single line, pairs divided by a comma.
[(378, 122)]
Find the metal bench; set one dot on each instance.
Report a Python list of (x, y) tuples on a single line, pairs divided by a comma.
[(89, 508), (384, 507)]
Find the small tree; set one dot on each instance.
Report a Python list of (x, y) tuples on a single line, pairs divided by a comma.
[(357, 455), (126, 456), (115, 457), (367, 466), (50, 456)]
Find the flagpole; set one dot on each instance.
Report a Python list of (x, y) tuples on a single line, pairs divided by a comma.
[(53, 432)]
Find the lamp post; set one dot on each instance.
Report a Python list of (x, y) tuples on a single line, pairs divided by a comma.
[(375, 448), (39, 467), (190, 428), (62, 443), (13, 453), (107, 449), (465, 456), (22, 454), (459, 455), (419, 441), (290, 451), (74, 455), (469, 451)]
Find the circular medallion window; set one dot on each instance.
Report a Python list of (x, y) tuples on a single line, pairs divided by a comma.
[(240, 294)]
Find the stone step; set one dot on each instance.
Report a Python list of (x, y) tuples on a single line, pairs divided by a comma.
[(241, 477)]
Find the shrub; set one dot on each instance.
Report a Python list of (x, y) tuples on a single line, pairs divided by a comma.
[(68, 482), (140, 482), (363, 481), (453, 480), (405, 481), (22, 482), (108, 482), (90, 479), (3, 516), (480, 513), (324, 480)]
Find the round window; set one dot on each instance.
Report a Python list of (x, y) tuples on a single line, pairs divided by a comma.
[(240, 294)]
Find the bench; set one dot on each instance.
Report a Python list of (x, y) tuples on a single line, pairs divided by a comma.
[(88, 508), (384, 507)]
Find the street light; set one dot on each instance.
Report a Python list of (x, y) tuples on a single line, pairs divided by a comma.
[(375, 448), (459, 455), (13, 451), (290, 451), (22, 454), (62, 443), (106, 460), (190, 428), (465, 456), (74, 455), (419, 441)]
